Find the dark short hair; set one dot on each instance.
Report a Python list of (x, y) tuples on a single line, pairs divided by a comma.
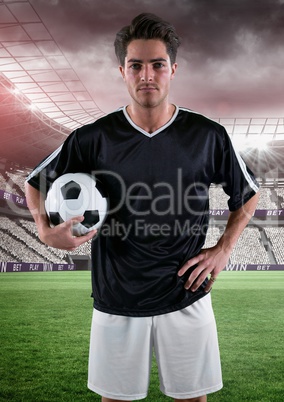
[(147, 26)]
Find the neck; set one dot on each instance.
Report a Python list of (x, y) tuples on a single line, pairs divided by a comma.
[(151, 119)]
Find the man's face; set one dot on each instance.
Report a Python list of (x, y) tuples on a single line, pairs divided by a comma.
[(147, 72)]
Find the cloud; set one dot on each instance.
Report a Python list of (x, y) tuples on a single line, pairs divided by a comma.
[(230, 60)]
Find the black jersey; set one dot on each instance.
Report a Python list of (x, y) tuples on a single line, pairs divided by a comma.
[(159, 209)]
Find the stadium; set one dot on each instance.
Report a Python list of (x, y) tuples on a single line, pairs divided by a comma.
[(40, 134), (35, 122), (42, 100)]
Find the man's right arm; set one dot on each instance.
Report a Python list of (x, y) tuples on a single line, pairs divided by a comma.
[(59, 236)]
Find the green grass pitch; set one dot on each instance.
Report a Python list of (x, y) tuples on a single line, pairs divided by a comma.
[(45, 324)]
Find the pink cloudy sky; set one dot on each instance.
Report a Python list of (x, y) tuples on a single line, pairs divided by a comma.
[(231, 62)]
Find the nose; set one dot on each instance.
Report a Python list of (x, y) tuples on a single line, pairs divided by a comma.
[(146, 74)]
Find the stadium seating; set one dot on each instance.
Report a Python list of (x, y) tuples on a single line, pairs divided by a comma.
[(266, 199), (24, 246), (280, 193), (8, 185), (276, 236), (249, 249), (17, 183), (218, 199), (20, 243), (30, 226), (14, 184), (213, 235)]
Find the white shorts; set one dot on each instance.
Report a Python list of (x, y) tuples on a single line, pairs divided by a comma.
[(185, 345)]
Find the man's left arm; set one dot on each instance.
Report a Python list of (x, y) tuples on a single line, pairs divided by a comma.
[(214, 259)]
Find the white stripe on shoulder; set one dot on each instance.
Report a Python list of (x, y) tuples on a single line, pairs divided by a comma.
[(240, 160), (184, 109), (243, 167), (41, 166)]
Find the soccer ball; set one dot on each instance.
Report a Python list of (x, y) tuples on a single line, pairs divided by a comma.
[(77, 194)]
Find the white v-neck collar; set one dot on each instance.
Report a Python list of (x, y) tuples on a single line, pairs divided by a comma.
[(155, 132)]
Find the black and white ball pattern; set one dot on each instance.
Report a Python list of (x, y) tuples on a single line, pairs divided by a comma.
[(77, 194)]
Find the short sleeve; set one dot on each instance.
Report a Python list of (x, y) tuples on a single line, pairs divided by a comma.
[(236, 178), (65, 159)]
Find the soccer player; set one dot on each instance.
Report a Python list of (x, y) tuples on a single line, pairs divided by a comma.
[(151, 276)]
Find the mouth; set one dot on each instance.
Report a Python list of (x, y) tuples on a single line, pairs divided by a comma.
[(147, 89)]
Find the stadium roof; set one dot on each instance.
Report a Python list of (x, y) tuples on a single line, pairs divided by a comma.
[(32, 61), (248, 130)]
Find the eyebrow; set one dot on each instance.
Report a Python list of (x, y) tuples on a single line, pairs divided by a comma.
[(151, 61)]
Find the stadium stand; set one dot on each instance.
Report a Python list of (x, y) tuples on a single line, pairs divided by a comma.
[(19, 242), (19, 238), (8, 185), (218, 199), (270, 198), (30, 226), (213, 234), (276, 237), (16, 238), (249, 249), (13, 181), (280, 194), (16, 181), (266, 199), (40, 108)]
